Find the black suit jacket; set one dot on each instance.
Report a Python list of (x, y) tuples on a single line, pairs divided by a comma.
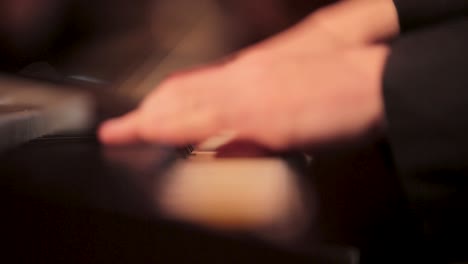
[(426, 105)]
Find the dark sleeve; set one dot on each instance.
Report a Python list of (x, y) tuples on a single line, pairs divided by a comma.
[(426, 105), (415, 13)]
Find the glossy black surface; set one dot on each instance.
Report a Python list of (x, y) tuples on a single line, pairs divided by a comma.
[(71, 200)]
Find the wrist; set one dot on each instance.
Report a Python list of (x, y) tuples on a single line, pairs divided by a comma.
[(373, 61)]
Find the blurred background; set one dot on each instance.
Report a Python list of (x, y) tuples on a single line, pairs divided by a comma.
[(132, 44)]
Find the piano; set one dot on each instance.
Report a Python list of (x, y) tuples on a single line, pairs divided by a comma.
[(67, 198)]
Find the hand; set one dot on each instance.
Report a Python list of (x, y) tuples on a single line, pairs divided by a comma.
[(310, 84), (344, 24), (276, 98)]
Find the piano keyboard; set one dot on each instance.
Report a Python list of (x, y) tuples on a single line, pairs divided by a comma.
[(30, 110)]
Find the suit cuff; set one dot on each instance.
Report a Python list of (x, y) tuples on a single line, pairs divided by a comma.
[(426, 98)]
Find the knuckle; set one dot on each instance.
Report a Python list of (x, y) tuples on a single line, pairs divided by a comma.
[(212, 119)]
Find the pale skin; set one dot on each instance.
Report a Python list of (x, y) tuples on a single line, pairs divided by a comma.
[(317, 82)]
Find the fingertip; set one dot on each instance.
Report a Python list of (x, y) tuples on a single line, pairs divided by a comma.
[(105, 131), (118, 131)]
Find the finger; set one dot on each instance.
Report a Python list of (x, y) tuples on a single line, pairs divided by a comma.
[(121, 130), (187, 126), (185, 108)]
